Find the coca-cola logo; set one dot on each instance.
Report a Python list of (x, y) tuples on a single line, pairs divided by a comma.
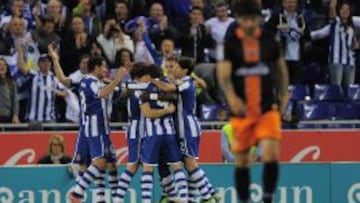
[(315, 151), (29, 156)]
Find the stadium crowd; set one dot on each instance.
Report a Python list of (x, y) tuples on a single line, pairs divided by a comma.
[(319, 40)]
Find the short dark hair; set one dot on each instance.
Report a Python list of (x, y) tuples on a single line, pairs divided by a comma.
[(196, 8), (137, 70), (47, 20), (154, 70), (247, 8), (187, 63), (221, 4), (95, 61)]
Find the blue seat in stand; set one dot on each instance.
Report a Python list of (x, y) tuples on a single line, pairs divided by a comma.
[(328, 93), (298, 92)]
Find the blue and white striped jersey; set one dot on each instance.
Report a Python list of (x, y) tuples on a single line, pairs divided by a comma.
[(93, 109), (41, 88), (158, 126), (187, 122)]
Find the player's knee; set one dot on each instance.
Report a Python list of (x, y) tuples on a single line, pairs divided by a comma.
[(242, 160), (111, 167), (176, 166), (100, 163), (132, 168), (148, 168), (190, 164)]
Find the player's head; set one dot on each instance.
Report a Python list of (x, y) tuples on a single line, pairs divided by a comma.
[(185, 67), (154, 71), (137, 71), (248, 13), (97, 66), (170, 65)]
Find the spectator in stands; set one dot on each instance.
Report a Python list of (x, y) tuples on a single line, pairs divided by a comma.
[(74, 44), (226, 138), (9, 105), (206, 8), (218, 26), (45, 35), (56, 151), (15, 36), (142, 53), (342, 43), (196, 39), (159, 26), (92, 22), (290, 26), (112, 40), (122, 13), (42, 86), (53, 10), (16, 10)]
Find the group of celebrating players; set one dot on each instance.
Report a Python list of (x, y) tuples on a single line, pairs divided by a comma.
[(163, 129)]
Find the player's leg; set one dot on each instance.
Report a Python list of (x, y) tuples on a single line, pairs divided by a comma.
[(134, 146), (197, 178), (268, 131), (243, 140), (94, 171), (166, 180), (242, 176), (270, 149), (150, 156), (174, 156)]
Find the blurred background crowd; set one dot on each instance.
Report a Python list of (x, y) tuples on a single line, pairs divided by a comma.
[(318, 37)]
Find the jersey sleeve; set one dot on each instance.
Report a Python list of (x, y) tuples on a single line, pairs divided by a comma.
[(184, 85), (95, 88)]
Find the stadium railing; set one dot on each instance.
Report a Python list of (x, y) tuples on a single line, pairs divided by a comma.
[(121, 126)]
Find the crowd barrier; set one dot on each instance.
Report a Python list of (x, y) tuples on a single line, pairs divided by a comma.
[(299, 183), (297, 146)]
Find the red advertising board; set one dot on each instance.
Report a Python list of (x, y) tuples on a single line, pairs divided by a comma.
[(27, 147), (297, 146), (321, 146)]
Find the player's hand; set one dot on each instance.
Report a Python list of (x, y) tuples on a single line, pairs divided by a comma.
[(170, 109), (121, 73), (236, 105)]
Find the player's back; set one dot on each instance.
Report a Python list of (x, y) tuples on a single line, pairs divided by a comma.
[(93, 109), (159, 126)]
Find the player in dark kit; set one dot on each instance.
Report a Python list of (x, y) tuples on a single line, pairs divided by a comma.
[(255, 80)]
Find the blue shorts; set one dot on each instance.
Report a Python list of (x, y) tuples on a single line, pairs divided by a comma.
[(81, 152), (101, 147), (157, 145), (189, 147), (189, 131), (134, 150)]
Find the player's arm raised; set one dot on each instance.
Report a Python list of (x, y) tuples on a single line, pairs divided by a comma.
[(223, 72), (283, 83), (156, 113), (106, 91), (57, 67)]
